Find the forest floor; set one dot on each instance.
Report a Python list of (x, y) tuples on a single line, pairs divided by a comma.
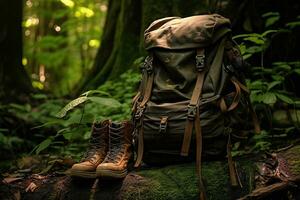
[(263, 176)]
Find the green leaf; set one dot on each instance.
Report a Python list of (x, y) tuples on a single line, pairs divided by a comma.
[(70, 106), (67, 135), (257, 85), (283, 67), (50, 123), (109, 102), (278, 78), (273, 84), (264, 34), (254, 49), (39, 96), (284, 98), (62, 130), (270, 14), (269, 98), (271, 20), (293, 24), (246, 35), (246, 56), (43, 145), (90, 92), (297, 71), (256, 40)]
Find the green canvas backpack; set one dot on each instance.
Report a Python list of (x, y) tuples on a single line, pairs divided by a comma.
[(192, 99)]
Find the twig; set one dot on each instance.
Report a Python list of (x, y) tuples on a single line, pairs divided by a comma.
[(266, 191)]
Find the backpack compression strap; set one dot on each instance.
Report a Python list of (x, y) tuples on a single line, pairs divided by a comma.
[(194, 120), (148, 67), (192, 107)]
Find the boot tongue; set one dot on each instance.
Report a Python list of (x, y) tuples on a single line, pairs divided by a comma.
[(116, 125), (101, 124)]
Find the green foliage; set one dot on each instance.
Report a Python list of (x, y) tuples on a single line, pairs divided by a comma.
[(256, 43), (8, 142), (271, 18), (269, 84), (111, 100), (60, 46)]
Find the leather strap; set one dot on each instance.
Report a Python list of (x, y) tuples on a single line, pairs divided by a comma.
[(140, 151), (199, 156), (253, 113), (236, 99), (254, 119), (148, 89), (192, 108), (231, 165), (141, 107)]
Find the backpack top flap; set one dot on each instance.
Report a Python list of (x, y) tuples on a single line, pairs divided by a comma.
[(190, 32)]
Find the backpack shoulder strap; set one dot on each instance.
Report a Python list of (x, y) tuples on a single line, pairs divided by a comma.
[(192, 108), (193, 118), (149, 76)]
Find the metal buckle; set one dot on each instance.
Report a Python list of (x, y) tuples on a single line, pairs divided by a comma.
[(200, 62), (147, 65), (139, 112), (163, 124), (192, 111), (229, 69)]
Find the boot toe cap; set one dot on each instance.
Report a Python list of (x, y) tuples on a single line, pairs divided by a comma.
[(109, 166), (85, 166)]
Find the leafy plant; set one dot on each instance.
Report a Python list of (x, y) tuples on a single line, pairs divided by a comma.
[(269, 84), (60, 46), (75, 118)]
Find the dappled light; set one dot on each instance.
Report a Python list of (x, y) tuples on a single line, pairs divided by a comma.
[(68, 37), (121, 99)]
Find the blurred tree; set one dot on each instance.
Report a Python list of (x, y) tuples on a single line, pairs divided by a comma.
[(59, 47), (123, 32), (14, 81)]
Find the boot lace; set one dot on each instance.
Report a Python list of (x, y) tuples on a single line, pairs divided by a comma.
[(116, 142), (96, 144)]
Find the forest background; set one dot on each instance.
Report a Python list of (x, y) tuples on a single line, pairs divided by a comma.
[(65, 63)]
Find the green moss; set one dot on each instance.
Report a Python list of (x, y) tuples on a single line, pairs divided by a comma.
[(293, 158), (180, 182)]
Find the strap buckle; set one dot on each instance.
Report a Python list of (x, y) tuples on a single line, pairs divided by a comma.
[(200, 62), (139, 112), (163, 124), (192, 111), (147, 65), (229, 69)]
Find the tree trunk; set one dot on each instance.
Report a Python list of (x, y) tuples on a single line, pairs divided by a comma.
[(15, 83), (122, 41)]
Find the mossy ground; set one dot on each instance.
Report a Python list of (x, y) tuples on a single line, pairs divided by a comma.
[(180, 182)]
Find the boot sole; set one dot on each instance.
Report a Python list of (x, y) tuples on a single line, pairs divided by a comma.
[(82, 174), (111, 174)]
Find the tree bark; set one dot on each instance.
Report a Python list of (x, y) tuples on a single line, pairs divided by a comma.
[(15, 83)]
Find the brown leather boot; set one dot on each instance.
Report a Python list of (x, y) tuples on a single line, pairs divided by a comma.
[(95, 154), (116, 161)]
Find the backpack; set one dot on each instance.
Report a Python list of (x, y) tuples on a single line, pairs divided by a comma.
[(192, 98)]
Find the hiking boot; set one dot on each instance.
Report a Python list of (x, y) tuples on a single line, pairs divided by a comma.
[(96, 153), (116, 161)]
